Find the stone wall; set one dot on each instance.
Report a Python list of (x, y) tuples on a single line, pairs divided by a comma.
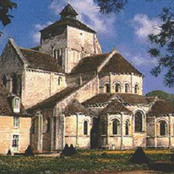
[(74, 131), (40, 85), (122, 79), (7, 131)]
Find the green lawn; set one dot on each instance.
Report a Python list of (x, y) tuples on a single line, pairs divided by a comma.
[(84, 161)]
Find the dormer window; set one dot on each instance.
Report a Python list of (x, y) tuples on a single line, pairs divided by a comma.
[(16, 105)]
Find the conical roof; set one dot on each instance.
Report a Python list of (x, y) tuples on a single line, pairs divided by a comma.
[(68, 11)]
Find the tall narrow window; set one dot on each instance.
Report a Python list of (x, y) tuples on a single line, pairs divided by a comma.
[(16, 122), (15, 143), (127, 127), (48, 125), (107, 88), (136, 89), (126, 88), (139, 122), (59, 80), (116, 127), (117, 87), (163, 128), (85, 128)]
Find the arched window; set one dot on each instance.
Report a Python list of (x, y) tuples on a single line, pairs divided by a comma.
[(117, 87), (85, 128), (136, 89), (107, 88), (116, 127), (163, 128), (4, 81), (139, 122), (127, 127), (59, 80), (126, 88)]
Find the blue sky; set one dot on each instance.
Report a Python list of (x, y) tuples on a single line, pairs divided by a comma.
[(126, 31)]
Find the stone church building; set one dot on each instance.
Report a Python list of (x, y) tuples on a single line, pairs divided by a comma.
[(78, 95)]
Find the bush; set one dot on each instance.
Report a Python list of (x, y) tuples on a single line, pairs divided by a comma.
[(9, 153), (28, 151), (139, 157), (68, 151)]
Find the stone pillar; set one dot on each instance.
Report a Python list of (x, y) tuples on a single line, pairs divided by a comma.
[(52, 133), (77, 130), (122, 127), (170, 143)]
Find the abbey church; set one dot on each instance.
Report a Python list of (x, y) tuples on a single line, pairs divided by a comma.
[(66, 91)]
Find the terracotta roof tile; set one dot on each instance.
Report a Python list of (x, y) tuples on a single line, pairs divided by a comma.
[(42, 61), (75, 107), (161, 107), (115, 107)]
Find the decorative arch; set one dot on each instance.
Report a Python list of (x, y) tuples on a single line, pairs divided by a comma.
[(107, 88), (117, 87), (126, 87)]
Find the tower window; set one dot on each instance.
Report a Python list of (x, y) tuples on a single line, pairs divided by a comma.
[(16, 122)]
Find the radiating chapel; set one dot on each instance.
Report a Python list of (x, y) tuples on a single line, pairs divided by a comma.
[(78, 95)]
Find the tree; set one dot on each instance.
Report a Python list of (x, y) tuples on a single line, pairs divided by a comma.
[(163, 42), (5, 7)]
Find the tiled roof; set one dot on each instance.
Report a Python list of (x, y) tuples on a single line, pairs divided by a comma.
[(89, 64), (114, 107), (135, 99), (68, 22), (75, 107), (51, 101), (42, 61), (161, 107), (116, 64), (98, 99)]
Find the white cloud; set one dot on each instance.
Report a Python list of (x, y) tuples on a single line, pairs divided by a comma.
[(89, 13), (36, 34), (143, 25), (140, 60)]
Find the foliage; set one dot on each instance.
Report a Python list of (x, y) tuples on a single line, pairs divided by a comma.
[(28, 151), (5, 7), (85, 161), (163, 48), (68, 151), (161, 95)]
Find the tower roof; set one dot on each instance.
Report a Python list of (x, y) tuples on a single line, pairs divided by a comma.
[(68, 11)]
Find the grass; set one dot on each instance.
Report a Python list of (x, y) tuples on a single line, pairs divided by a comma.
[(85, 161)]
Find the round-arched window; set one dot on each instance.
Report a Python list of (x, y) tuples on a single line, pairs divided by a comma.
[(139, 121), (126, 88), (117, 87)]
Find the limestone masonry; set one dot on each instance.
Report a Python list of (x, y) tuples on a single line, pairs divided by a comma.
[(66, 91)]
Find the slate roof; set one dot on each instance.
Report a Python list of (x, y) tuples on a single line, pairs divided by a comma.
[(161, 107), (75, 107), (51, 101), (115, 106), (116, 64), (68, 22), (42, 61), (89, 64)]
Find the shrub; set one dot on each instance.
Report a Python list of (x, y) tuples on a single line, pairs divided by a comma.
[(28, 151), (9, 153), (68, 151)]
